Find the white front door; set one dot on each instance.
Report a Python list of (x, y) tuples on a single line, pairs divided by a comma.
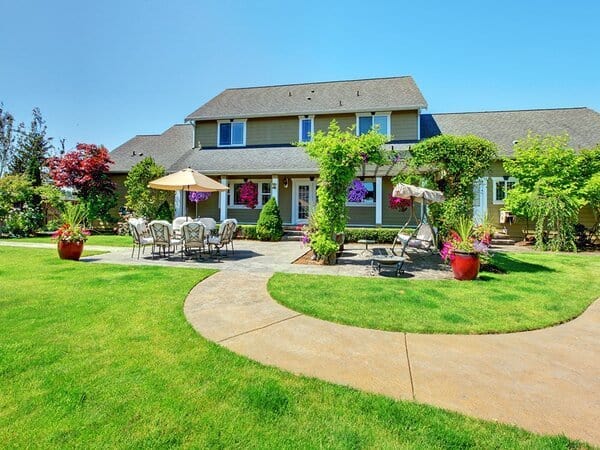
[(479, 200), (303, 199)]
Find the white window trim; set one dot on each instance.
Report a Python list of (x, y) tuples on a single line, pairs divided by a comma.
[(363, 204), (494, 190), (260, 204), (219, 122), (312, 126), (376, 113)]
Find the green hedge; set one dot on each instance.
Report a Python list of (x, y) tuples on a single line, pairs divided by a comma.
[(247, 232), (381, 235)]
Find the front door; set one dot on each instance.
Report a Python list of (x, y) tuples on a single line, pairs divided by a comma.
[(479, 200), (304, 199)]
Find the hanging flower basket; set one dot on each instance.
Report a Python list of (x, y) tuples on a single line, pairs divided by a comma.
[(357, 191), (198, 196), (249, 194), (399, 204)]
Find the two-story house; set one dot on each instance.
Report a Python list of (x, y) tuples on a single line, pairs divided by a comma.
[(248, 134)]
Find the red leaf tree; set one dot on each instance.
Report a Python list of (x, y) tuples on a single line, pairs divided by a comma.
[(86, 170)]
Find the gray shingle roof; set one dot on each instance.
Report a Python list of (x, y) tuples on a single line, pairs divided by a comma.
[(505, 127), (164, 148), (379, 94), (256, 161)]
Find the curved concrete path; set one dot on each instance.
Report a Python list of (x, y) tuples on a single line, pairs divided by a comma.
[(547, 381)]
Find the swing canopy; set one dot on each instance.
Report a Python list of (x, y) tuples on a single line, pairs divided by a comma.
[(417, 194)]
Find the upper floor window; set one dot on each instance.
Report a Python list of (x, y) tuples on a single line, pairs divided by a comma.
[(306, 128), (379, 121), (501, 187), (231, 133)]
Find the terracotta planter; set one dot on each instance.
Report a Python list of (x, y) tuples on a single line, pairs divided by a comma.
[(70, 250), (465, 265)]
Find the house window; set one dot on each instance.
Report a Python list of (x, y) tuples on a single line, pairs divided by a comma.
[(234, 194), (306, 128), (501, 187), (367, 122), (231, 133), (369, 199)]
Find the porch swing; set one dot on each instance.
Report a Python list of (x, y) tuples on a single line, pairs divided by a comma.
[(423, 236)]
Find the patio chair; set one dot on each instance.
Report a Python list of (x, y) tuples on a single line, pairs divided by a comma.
[(162, 234), (422, 238), (193, 237), (178, 222), (210, 224), (224, 238), (139, 233)]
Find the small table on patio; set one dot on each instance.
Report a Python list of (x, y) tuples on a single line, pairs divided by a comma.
[(366, 242), (387, 261)]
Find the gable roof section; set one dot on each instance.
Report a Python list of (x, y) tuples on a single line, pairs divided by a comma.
[(504, 127), (164, 148), (377, 94)]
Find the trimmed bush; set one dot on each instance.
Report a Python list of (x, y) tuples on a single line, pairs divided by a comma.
[(246, 232), (381, 235), (270, 226)]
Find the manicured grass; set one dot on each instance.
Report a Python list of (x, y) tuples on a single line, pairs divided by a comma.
[(95, 355), (95, 239), (539, 290)]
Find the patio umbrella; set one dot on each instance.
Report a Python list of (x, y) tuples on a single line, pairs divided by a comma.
[(187, 180), (418, 194)]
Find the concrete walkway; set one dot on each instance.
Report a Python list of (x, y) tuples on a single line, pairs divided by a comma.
[(547, 381)]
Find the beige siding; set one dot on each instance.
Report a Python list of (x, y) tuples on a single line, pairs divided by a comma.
[(361, 215), (271, 131), (119, 180), (586, 216), (243, 215), (404, 125), (208, 208), (345, 121), (206, 134), (392, 217), (285, 200)]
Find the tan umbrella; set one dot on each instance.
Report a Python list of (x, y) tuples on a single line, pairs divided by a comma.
[(187, 180)]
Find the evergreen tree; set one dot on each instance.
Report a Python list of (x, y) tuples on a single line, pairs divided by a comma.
[(7, 139), (33, 148)]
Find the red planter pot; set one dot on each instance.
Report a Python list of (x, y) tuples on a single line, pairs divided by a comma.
[(70, 250), (465, 265)]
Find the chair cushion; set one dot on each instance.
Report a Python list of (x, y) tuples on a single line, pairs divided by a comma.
[(403, 237), (214, 240), (146, 241)]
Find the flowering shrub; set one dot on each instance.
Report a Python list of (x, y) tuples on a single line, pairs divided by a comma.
[(198, 196), (72, 229), (249, 194), (400, 204), (357, 191)]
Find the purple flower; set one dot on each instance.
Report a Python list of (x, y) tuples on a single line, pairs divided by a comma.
[(198, 196), (480, 247), (357, 192)]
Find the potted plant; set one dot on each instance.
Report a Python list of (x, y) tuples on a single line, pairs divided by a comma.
[(463, 249), (72, 234)]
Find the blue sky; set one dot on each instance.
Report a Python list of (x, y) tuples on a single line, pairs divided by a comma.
[(104, 71)]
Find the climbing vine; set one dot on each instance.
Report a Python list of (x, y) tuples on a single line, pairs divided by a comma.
[(339, 155)]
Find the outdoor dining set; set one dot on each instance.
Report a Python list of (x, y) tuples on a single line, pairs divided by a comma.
[(184, 235)]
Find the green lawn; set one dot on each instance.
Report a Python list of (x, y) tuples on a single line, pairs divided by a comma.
[(95, 355), (96, 239), (539, 290)]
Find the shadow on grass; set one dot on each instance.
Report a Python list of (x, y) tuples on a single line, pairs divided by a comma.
[(511, 265)]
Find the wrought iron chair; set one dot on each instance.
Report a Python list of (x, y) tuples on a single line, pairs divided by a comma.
[(162, 234), (224, 238), (193, 237), (139, 233)]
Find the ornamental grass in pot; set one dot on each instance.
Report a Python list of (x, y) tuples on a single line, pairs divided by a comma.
[(72, 234), (463, 249)]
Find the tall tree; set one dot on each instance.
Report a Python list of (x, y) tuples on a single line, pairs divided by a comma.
[(7, 139), (32, 149)]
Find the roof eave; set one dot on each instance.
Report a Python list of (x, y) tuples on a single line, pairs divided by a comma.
[(323, 112)]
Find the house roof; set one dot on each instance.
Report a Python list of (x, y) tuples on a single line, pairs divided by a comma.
[(505, 127), (377, 94), (260, 161), (165, 148)]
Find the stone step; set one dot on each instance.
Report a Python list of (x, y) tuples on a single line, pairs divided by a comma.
[(293, 233), (287, 237), (503, 241)]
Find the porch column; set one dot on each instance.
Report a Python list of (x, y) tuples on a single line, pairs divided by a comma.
[(180, 206), (378, 200), (275, 188), (223, 201)]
